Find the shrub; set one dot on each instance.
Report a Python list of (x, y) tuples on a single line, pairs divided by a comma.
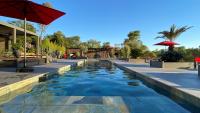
[(16, 46), (171, 56), (135, 53), (149, 54), (78, 54)]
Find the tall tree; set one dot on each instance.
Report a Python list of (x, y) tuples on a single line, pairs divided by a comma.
[(42, 27), (134, 35), (172, 34), (133, 40), (57, 38), (125, 51), (106, 44), (72, 42)]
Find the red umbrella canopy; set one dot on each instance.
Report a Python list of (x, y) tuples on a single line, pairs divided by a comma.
[(167, 43), (34, 12)]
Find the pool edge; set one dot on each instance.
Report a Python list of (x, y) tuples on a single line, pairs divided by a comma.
[(190, 99), (23, 83)]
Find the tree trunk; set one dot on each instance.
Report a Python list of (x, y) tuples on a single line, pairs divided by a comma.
[(171, 48)]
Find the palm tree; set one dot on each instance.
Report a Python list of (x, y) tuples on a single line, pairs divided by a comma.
[(173, 34)]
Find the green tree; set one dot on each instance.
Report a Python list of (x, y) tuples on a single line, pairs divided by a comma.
[(106, 44), (72, 42), (41, 27), (133, 40), (135, 44), (134, 35), (58, 38), (135, 53), (46, 44), (47, 4), (173, 34), (125, 51), (84, 48), (93, 43), (20, 23), (149, 54)]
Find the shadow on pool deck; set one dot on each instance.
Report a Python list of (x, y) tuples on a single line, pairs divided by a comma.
[(9, 76)]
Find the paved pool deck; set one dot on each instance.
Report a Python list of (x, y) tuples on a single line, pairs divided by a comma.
[(9, 76), (186, 81)]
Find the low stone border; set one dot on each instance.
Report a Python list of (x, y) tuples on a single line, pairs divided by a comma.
[(18, 85), (177, 93), (174, 65)]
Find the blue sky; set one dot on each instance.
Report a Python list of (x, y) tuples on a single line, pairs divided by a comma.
[(112, 20)]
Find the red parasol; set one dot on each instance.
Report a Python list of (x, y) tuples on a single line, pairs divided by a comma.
[(25, 9), (28, 10), (167, 43)]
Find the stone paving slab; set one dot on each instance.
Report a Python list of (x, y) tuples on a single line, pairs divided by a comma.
[(183, 80), (9, 76), (66, 104)]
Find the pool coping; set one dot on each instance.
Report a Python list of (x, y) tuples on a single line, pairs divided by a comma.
[(23, 83), (178, 93)]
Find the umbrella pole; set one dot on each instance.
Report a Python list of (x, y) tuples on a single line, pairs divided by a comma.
[(24, 42)]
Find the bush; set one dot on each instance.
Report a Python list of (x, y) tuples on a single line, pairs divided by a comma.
[(78, 54), (149, 54), (16, 46), (135, 53), (171, 56)]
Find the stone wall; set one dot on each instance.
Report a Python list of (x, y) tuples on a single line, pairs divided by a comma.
[(31, 62), (8, 63), (178, 65), (137, 61), (172, 65), (19, 63)]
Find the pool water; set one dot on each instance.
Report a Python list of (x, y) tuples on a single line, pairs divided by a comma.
[(98, 87)]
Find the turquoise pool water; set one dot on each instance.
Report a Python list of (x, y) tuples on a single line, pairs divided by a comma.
[(98, 87)]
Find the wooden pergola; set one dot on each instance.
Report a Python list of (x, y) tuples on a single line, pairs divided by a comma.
[(9, 33)]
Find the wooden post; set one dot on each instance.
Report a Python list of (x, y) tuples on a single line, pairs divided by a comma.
[(38, 46), (25, 43), (14, 35)]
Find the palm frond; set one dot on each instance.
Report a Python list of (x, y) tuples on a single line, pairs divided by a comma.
[(173, 33)]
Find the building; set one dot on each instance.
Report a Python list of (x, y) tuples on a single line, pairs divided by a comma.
[(92, 52), (8, 36)]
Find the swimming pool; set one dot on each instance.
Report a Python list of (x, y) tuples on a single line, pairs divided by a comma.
[(98, 87)]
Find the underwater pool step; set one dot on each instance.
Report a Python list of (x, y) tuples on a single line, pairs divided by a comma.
[(65, 104), (77, 108)]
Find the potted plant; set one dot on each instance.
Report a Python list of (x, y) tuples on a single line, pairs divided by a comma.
[(16, 50)]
